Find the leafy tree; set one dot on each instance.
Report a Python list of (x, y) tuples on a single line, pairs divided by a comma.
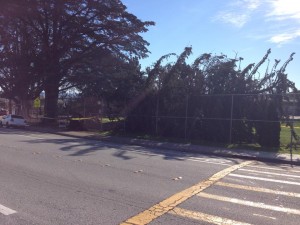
[(18, 76), (111, 79), (67, 32)]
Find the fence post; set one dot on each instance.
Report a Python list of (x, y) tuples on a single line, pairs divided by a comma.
[(156, 115), (124, 116), (231, 115), (292, 125), (186, 116), (84, 107)]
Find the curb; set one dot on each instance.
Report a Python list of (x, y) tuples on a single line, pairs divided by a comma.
[(196, 149)]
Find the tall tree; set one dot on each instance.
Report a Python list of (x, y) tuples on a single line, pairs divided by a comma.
[(111, 79), (66, 32), (18, 76)]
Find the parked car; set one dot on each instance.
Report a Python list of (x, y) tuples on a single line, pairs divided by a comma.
[(2, 112), (13, 121)]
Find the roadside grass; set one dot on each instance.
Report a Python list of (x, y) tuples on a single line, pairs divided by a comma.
[(285, 139)]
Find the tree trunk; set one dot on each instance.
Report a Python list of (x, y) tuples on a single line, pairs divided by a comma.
[(25, 106), (51, 98)]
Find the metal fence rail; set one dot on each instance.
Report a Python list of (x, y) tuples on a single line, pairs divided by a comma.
[(191, 117), (234, 112)]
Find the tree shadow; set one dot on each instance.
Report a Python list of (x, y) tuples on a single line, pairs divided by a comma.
[(122, 147), (76, 146)]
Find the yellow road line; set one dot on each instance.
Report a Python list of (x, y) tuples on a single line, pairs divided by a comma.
[(257, 189), (270, 173), (204, 217), (249, 203), (265, 179), (170, 203)]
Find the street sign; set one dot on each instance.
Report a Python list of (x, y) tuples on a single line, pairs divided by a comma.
[(37, 103)]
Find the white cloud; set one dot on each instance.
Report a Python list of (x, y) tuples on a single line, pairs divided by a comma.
[(252, 4), (238, 12), (286, 13), (284, 37), (245, 4), (285, 9), (232, 18)]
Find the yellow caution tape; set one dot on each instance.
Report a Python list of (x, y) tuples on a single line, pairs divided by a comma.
[(87, 118)]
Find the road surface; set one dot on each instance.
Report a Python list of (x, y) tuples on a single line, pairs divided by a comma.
[(47, 179)]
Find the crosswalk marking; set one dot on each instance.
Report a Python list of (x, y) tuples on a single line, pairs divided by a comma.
[(265, 179), (204, 217), (267, 217), (170, 203), (282, 169), (210, 162), (277, 174), (6, 211), (249, 203), (257, 189)]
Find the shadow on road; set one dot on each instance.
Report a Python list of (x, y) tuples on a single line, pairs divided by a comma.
[(121, 147), (76, 146)]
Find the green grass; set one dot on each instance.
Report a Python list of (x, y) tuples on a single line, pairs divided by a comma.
[(285, 138)]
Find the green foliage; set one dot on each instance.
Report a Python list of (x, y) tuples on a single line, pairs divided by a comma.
[(46, 44), (195, 101), (267, 126)]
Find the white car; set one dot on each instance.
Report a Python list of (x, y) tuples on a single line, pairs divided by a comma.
[(13, 121)]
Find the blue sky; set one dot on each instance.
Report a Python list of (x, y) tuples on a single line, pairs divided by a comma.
[(247, 28)]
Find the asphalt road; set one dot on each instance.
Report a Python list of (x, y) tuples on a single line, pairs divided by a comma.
[(47, 179)]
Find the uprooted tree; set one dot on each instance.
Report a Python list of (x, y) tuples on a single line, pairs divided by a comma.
[(194, 101)]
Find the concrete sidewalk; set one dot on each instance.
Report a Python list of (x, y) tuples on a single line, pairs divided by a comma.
[(207, 150)]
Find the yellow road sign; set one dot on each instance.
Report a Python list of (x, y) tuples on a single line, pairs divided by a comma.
[(37, 103)]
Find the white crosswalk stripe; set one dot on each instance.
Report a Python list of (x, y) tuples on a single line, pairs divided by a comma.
[(251, 173), (6, 211), (205, 217), (271, 173), (265, 179), (250, 203)]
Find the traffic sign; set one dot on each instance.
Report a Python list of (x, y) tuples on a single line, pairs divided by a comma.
[(37, 103)]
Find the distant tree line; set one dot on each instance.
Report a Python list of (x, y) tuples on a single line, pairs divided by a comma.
[(206, 86)]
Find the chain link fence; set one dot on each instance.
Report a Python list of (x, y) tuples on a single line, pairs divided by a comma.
[(229, 119)]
